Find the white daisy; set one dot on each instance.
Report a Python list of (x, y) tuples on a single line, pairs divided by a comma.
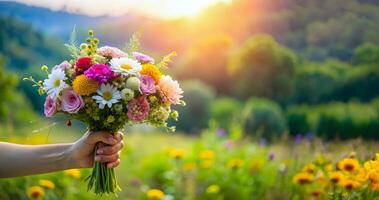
[(125, 66), (54, 84), (107, 95)]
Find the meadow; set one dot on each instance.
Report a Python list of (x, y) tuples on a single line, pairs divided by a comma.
[(216, 165)]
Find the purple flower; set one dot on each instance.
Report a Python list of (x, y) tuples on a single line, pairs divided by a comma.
[(147, 85), (298, 139), (99, 72), (142, 58), (63, 66), (262, 142), (220, 132), (309, 136), (271, 156), (138, 109)]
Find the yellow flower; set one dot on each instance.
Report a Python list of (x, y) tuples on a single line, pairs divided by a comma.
[(349, 184), (336, 177), (235, 164), (256, 165), (188, 166), (152, 71), (84, 86), (207, 154), (310, 168), (349, 165), (213, 189), (302, 178), (329, 167), (74, 173), (317, 193), (176, 153), (35, 192), (207, 164), (155, 194), (375, 186), (46, 184)]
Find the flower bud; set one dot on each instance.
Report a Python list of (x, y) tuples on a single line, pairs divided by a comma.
[(83, 46), (90, 32), (127, 94), (44, 68), (133, 83)]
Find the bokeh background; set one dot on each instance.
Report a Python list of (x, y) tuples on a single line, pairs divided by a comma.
[(270, 85)]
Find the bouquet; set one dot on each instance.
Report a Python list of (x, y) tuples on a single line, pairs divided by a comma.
[(108, 88)]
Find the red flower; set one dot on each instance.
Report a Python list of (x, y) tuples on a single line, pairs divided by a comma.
[(82, 64)]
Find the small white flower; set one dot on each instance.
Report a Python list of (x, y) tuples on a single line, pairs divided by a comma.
[(107, 95), (125, 66), (54, 84), (127, 94)]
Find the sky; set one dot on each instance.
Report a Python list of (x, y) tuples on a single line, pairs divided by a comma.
[(160, 8)]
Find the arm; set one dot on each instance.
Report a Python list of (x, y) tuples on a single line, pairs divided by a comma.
[(21, 160)]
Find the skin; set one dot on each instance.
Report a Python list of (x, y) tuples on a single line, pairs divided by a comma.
[(22, 160)]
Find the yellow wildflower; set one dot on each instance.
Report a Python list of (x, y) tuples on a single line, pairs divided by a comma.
[(374, 186), (303, 178), (46, 184), (84, 86), (188, 166), (349, 184), (349, 165), (336, 177), (176, 153), (235, 164), (152, 71), (256, 165), (155, 194), (207, 164), (213, 189), (310, 168), (207, 154), (74, 173), (36, 192), (317, 193)]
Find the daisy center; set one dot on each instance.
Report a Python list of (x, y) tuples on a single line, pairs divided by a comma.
[(57, 83), (126, 66), (107, 95)]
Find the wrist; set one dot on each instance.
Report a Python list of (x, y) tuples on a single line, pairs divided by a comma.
[(70, 160)]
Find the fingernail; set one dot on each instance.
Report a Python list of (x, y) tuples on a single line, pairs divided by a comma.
[(97, 158), (100, 151)]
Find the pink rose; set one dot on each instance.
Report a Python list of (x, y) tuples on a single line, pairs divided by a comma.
[(138, 109), (71, 101), (50, 106)]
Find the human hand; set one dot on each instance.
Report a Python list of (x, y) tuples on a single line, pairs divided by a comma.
[(108, 151)]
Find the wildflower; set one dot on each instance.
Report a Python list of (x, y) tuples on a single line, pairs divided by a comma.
[(303, 178), (127, 94), (310, 168), (84, 86), (100, 73), (374, 186), (229, 144), (82, 64), (51, 106), (36, 192), (152, 71), (213, 189), (71, 101), (309, 136), (54, 84), (349, 184), (170, 90), (235, 164), (207, 154), (74, 173), (107, 95), (256, 165), (155, 194), (138, 109), (63, 66), (298, 139), (262, 142), (133, 83), (147, 85), (336, 177), (189, 166), (271, 156), (125, 66), (220, 132), (142, 58), (112, 52), (349, 165), (46, 184), (317, 193), (176, 153)]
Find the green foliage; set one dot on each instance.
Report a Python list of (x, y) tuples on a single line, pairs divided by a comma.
[(263, 117), (72, 46), (134, 43), (225, 111), (196, 114), (366, 54), (297, 122), (263, 68)]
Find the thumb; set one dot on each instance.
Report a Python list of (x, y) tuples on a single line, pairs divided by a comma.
[(101, 136)]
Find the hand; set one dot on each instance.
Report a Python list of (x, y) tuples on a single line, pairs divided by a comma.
[(108, 151)]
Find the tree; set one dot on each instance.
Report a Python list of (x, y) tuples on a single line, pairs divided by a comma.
[(264, 68), (366, 54)]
